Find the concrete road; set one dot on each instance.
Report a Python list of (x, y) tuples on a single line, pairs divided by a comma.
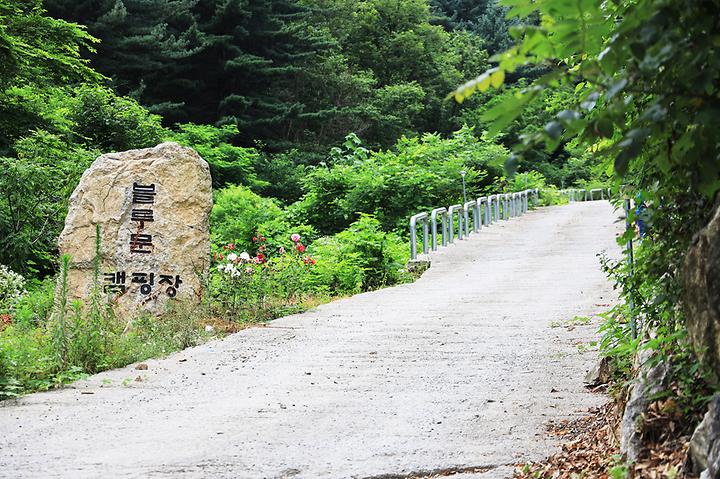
[(456, 374)]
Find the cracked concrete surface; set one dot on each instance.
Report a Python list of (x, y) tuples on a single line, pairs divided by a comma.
[(457, 372)]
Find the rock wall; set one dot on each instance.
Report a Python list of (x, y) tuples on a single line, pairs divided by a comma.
[(701, 278)]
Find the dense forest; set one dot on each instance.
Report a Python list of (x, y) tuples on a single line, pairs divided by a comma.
[(366, 110)]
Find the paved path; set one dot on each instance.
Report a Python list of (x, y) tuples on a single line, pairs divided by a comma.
[(457, 373)]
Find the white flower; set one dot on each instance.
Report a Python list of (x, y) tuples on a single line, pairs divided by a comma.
[(232, 257), (244, 256), (209, 329)]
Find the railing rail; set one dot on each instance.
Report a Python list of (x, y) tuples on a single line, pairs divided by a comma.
[(578, 194), (467, 208), (451, 222), (423, 217), (486, 210), (443, 212)]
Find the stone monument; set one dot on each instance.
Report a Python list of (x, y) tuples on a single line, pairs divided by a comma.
[(153, 209)]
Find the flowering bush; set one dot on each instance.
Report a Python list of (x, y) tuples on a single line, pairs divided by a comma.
[(12, 288), (249, 285)]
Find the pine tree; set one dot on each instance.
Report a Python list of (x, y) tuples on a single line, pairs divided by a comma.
[(255, 60), (485, 18), (142, 44)]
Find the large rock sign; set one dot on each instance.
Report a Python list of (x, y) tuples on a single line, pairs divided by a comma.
[(153, 208)]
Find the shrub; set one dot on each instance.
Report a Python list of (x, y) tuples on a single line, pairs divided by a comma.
[(12, 289), (547, 194), (419, 174), (238, 213), (263, 285), (363, 257), (229, 164), (109, 122), (34, 308)]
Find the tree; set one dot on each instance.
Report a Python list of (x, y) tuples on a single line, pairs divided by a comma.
[(143, 43), (484, 18), (35, 48)]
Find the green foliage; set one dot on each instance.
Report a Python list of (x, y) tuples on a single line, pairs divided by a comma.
[(34, 308), (281, 174), (360, 258), (484, 18), (290, 73), (36, 185), (547, 194), (229, 164), (419, 174), (238, 213), (142, 44), (108, 122), (38, 49)]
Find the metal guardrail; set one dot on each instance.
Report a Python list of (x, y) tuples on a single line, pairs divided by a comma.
[(579, 194), (443, 212), (451, 223), (485, 211)]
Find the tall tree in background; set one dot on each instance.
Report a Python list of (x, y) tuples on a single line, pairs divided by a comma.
[(484, 18), (143, 45), (288, 73), (251, 69)]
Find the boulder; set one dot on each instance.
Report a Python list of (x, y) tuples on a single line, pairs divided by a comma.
[(701, 276), (704, 449), (650, 382), (600, 373), (152, 207)]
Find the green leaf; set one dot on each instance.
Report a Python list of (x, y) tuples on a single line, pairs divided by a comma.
[(497, 78), (554, 130)]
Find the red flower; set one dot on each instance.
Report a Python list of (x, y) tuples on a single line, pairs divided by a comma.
[(254, 239), (261, 257), (231, 246), (5, 318), (262, 238), (221, 257), (262, 248), (309, 261), (300, 247)]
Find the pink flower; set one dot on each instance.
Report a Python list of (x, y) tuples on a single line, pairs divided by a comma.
[(262, 248), (281, 250), (295, 237)]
